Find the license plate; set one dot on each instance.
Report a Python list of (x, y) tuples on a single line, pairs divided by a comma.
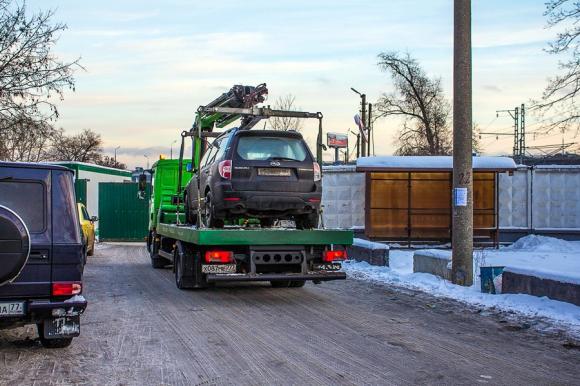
[(274, 172), (12, 309), (219, 268), (327, 267)]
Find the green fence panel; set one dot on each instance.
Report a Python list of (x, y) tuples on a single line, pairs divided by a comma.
[(81, 190), (122, 215)]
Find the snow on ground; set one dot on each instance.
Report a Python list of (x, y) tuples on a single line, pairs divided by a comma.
[(536, 253)]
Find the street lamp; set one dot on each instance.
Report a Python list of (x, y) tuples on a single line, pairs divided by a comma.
[(363, 103), (116, 153), (171, 149), (146, 156)]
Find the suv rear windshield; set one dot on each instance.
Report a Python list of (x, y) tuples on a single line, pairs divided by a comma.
[(27, 199), (267, 148)]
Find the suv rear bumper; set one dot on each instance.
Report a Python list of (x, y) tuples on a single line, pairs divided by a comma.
[(38, 310), (260, 202)]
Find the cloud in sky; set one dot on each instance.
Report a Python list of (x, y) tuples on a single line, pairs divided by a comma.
[(149, 67)]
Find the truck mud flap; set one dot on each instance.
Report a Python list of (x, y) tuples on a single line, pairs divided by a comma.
[(320, 276), (63, 327)]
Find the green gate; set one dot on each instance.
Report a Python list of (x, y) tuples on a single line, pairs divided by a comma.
[(81, 190), (122, 215)]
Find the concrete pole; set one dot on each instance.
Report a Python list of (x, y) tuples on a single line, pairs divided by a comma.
[(462, 236), (363, 102), (369, 128)]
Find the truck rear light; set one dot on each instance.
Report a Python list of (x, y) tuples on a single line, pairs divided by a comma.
[(317, 173), (66, 288), (232, 199), (220, 257), (314, 200), (330, 256), (225, 169)]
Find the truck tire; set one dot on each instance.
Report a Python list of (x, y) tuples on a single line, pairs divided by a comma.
[(157, 261), (15, 238), (297, 283), (51, 343), (184, 266), (307, 221)]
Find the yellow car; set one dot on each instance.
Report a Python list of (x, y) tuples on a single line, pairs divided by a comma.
[(88, 227)]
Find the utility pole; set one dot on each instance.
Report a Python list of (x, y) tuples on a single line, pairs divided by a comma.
[(462, 233), (369, 128), (363, 103), (522, 133), (518, 114)]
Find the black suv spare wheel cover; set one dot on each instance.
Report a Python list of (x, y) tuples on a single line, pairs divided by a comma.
[(14, 245)]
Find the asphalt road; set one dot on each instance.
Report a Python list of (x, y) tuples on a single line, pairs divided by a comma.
[(140, 329)]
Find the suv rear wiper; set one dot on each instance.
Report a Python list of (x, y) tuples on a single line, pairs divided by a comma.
[(283, 159)]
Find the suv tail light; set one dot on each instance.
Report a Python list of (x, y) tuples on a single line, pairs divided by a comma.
[(66, 288), (225, 169), (330, 256), (221, 257), (317, 173)]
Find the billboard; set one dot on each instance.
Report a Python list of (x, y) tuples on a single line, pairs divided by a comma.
[(336, 140)]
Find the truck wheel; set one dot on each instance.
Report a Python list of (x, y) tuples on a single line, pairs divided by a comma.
[(209, 217), (178, 269), (280, 283), (51, 343), (157, 261), (307, 221), (297, 283)]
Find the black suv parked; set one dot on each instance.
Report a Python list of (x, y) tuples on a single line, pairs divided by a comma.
[(265, 174), (41, 252)]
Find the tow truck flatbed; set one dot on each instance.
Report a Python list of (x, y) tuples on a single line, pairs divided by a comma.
[(255, 237)]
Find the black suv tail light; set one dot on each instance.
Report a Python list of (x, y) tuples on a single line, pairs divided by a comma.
[(225, 169)]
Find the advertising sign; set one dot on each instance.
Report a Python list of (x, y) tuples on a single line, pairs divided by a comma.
[(336, 140)]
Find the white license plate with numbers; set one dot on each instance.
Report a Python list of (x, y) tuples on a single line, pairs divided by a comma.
[(219, 268), (11, 309)]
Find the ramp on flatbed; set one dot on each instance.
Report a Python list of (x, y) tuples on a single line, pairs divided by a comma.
[(259, 236)]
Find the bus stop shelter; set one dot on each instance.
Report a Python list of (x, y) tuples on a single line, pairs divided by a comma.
[(408, 198)]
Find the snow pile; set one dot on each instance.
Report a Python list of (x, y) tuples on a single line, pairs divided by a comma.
[(536, 243), (536, 254)]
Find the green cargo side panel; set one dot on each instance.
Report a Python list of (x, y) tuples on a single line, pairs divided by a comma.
[(237, 236)]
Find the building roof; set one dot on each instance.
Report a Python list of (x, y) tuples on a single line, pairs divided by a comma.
[(430, 163), (75, 165)]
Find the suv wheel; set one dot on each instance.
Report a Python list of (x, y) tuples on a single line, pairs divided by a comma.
[(307, 221), (190, 216), (208, 215), (52, 343)]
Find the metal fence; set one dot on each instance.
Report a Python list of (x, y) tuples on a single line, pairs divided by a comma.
[(540, 199)]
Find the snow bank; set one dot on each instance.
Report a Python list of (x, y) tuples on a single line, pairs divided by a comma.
[(433, 162), (561, 313), (436, 253), (570, 278)]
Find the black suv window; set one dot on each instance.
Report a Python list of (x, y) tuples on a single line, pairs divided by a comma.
[(27, 199), (252, 148)]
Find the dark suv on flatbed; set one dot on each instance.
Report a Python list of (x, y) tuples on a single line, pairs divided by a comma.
[(266, 174), (42, 254)]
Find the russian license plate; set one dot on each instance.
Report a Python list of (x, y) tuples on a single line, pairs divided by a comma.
[(12, 309), (219, 268), (66, 326), (274, 172), (327, 267)]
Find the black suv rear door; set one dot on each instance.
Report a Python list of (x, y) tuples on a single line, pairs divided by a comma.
[(272, 162), (27, 192)]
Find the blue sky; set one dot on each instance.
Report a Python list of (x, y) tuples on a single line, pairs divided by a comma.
[(149, 64)]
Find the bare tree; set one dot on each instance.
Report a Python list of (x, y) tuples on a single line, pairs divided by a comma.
[(25, 139), (558, 99), (420, 101), (286, 102), (111, 162), (31, 76), (83, 147)]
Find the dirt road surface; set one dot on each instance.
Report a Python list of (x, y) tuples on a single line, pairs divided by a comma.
[(140, 329)]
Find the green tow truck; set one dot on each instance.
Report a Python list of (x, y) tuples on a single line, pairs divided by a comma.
[(286, 257)]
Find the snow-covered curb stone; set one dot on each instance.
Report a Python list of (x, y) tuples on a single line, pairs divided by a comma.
[(369, 251), (433, 261)]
